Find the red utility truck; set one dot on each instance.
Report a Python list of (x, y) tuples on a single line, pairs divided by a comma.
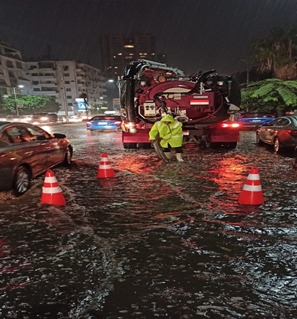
[(202, 102)]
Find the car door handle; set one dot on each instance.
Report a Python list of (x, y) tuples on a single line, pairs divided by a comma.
[(29, 153)]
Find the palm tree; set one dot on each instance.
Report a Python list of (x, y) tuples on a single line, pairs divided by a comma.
[(277, 53), (271, 95)]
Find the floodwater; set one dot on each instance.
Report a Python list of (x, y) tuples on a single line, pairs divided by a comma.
[(156, 241)]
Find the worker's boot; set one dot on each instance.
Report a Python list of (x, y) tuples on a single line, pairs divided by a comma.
[(179, 157), (167, 155)]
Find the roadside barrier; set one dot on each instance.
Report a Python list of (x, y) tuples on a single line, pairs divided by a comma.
[(105, 170), (51, 191), (251, 193)]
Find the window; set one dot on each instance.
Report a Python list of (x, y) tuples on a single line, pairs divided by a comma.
[(4, 139), (282, 122), (37, 133), (17, 135)]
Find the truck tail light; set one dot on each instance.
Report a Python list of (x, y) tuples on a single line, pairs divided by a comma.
[(130, 126), (230, 125)]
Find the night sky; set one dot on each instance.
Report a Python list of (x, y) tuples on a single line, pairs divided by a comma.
[(195, 34)]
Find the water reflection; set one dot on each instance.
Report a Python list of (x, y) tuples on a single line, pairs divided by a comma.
[(157, 240)]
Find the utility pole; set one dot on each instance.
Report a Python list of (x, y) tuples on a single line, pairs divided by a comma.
[(15, 99)]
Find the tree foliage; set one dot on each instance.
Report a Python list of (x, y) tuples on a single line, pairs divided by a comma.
[(29, 104), (271, 95)]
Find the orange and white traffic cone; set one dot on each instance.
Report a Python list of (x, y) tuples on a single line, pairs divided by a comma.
[(51, 191), (251, 193), (105, 170)]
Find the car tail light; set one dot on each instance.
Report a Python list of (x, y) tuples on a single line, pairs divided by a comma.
[(89, 123), (230, 125), (292, 132)]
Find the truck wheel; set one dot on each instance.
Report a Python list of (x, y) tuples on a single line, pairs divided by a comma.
[(226, 145), (231, 146), (145, 145), (130, 146)]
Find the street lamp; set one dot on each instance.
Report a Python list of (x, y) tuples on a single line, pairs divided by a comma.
[(15, 98)]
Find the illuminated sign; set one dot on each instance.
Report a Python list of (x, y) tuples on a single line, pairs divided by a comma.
[(81, 104)]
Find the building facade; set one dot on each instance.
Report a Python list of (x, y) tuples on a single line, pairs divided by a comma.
[(65, 81), (12, 70)]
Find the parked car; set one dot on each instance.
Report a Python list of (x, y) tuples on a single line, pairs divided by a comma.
[(254, 119), (281, 133), (27, 151), (104, 122)]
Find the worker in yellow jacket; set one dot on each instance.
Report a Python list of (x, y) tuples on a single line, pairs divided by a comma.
[(170, 132)]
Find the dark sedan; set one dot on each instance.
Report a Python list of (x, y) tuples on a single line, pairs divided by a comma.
[(27, 151), (281, 133)]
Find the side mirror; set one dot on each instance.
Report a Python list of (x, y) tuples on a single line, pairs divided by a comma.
[(59, 135)]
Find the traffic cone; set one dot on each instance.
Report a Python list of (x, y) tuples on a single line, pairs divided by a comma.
[(51, 191), (251, 193), (105, 170)]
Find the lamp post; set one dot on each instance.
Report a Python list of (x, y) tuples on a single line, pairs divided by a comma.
[(15, 99)]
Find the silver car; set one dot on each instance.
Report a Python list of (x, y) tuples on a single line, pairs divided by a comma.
[(281, 133)]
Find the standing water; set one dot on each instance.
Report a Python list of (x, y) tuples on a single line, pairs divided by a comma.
[(156, 241)]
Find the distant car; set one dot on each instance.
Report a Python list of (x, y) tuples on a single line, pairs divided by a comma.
[(255, 119), (27, 151), (104, 123), (44, 118), (281, 133)]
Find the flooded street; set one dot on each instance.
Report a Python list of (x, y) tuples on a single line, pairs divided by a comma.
[(156, 241)]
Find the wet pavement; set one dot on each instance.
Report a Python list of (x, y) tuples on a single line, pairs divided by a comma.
[(156, 241)]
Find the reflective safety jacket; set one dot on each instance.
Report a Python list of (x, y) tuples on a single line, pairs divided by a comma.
[(169, 130)]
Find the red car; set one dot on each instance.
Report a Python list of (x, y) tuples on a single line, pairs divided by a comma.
[(27, 151)]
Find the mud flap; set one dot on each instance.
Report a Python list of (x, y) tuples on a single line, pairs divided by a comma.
[(159, 151)]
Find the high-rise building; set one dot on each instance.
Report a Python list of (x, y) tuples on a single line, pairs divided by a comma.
[(118, 50)]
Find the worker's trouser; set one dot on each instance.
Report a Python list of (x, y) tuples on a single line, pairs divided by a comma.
[(177, 149)]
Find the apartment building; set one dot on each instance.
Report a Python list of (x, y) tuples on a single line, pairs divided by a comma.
[(66, 81), (12, 70), (63, 80), (119, 50)]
